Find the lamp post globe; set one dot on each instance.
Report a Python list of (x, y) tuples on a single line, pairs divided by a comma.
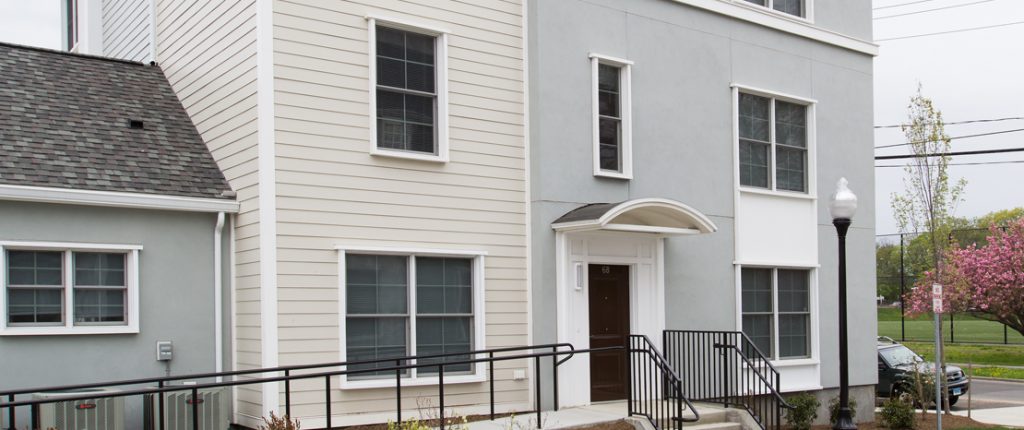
[(841, 207)]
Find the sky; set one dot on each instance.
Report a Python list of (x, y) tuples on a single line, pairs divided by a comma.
[(969, 75)]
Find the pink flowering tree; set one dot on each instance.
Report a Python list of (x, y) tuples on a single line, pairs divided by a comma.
[(987, 281)]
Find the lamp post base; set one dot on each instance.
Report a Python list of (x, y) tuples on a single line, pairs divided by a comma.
[(845, 420)]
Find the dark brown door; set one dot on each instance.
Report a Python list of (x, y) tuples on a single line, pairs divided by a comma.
[(609, 326)]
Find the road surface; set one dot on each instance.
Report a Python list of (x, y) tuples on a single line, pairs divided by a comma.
[(987, 394)]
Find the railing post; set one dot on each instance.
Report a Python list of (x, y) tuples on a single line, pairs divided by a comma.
[(327, 400), (629, 377), (195, 409), (679, 405), (398, 392), (554, 374), (287, 394), (440, 392), (490, 368), (33, 417), (725, 375), (10, 413), (160, 401), (536, 377)]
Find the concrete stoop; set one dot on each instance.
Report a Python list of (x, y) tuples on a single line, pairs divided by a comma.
[(712, 417)]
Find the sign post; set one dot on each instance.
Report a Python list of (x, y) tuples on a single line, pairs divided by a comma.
[(937, 311)]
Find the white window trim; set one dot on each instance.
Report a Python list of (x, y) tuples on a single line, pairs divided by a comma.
[(626, 112), (131, 289), (808, 9), (812, 170), (812, 297), (441, 87), (479, 318)]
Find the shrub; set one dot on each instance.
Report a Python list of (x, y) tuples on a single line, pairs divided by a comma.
[(804, 412), (279, 423), (409, 424), (833, 410), (898, 412)]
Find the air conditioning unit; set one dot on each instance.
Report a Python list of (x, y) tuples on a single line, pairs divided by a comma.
[(214, 408), (93, 414)]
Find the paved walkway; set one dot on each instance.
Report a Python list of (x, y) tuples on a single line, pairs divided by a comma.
[(567, 417), (1011, 417)]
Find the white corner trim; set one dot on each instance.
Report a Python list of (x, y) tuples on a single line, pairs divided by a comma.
[(218, 292), (267, 199), (115, 199), (782, 22)]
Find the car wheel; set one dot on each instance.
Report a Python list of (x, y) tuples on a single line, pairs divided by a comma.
[(953, 399)]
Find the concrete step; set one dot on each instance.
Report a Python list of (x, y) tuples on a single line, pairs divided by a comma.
[(714, 426)]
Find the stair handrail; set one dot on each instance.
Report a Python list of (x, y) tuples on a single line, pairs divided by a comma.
[(669, 374), (750, 365)]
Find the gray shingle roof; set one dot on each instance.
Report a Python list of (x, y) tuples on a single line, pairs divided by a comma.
[(64, 123)]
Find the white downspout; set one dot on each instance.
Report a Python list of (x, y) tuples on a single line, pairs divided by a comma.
[(218, 291)]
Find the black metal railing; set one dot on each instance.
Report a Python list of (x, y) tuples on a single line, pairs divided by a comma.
[(655, 391), (726, 367), (559, 353)]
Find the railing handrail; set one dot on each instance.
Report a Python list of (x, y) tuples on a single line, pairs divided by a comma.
[(753, 368), (571, 351), (673, 378), (760, 355), (169, 388)]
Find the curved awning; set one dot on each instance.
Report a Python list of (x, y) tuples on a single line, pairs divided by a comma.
[(652, 215)]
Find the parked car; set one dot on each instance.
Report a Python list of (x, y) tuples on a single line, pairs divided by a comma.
[(897, 365)]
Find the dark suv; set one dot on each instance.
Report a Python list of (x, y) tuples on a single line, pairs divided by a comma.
[(896, 366)]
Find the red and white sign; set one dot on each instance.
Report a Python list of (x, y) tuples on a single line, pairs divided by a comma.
[(937, 298)]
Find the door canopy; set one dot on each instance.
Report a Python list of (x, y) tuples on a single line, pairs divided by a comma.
[(653, 215)]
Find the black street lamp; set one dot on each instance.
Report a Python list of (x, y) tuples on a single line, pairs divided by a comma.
[(842, 206)]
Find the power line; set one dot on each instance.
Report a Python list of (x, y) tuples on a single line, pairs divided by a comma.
[(961, 164), (901, 4), (949, 154), (950, 31), (960, 122), (966, 136), (932, 10)]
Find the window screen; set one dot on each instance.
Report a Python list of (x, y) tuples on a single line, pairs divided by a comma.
[(35, 287), (609, 96), (406, 93)]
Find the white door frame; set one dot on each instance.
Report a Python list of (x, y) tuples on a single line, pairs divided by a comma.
[(574, 252)]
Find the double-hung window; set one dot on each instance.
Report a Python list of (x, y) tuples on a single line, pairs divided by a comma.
[(776, 311), (791, 7), (411, 304), (408, 94), (612, 120), (773, 140), (67, 291)]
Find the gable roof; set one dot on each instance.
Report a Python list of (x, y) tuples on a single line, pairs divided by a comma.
[(64, 123)]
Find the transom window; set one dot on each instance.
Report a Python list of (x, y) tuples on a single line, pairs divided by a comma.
[(612, 119), (409, 92), (776, 311), (792, 7), (773, 143), (403, 305), (51, 291)]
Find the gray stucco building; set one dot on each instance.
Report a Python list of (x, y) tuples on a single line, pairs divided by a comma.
[(716, 131), (112, 226)]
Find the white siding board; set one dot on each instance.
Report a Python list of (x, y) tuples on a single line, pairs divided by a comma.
[(126, 29)]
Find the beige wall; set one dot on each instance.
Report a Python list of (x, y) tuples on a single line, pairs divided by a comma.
[(331, 191), (207, 50)]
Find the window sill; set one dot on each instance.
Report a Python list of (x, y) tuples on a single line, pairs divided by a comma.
[(406, 382), (613, 175), (796, 362), (776, 13), (409, 155), (776, 193), (73, 331)]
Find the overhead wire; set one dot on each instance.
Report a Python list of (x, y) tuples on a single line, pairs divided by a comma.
[(901, 4), (965, 136), (961, 30), (948, 154), (932, 10), (1010, 118), (976, 163)]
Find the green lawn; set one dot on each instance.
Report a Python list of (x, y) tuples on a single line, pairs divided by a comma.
[(966, 329), (981, 355), (998, 372)]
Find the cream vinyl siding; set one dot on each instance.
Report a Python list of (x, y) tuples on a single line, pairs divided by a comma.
[(208, 52), (331, 191), (127, 29)]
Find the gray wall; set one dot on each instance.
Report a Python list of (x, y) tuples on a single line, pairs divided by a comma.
[(685, 61), (176, 295)]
